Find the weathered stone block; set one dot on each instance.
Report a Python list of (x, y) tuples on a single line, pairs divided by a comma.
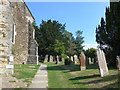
[(2, 26)]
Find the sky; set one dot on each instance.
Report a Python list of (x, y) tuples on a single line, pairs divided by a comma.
[(84, 16)]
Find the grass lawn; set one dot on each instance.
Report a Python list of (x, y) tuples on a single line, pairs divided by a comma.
[(61, 76), (26, 72)]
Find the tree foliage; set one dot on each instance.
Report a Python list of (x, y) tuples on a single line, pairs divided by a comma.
[(53, 39), (91, 52), (108, 32)]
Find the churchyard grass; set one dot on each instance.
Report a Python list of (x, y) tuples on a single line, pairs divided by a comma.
[(70, 76), (25, 72), (59, 76)]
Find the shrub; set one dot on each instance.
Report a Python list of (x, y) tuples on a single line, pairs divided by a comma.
[(67, 61)]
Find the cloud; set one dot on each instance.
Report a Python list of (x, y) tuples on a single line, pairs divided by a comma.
[(86, 46)]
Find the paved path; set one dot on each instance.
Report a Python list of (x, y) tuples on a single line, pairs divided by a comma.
[(0, 82), (41, 79)]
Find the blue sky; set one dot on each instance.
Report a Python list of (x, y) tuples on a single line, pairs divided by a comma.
[(84, 16)]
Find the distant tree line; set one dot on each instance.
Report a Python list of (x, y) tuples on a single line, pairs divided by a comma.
[(54, 39), (108, 33)]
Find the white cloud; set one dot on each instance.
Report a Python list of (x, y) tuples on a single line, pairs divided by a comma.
[(86, 46)]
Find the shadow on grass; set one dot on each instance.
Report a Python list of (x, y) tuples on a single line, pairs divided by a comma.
[(60, 67), (102, 80), (70, 68), (84, 77), (113, 85)]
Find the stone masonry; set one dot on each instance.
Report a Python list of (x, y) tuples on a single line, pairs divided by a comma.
[(24, 45), (17, 41), (6, 29)]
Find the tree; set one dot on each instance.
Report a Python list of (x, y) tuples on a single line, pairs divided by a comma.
[(108, 33), (53, 39), (79, 41), (91, 52), (47, 34)]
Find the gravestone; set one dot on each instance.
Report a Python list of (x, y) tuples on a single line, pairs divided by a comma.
[(83, 61), (71, 58), (63, 59), (89, 59), (76, 59), (68, 57), (102, 63), (118, 62), (46, 58), (57, 59), (51, 59)]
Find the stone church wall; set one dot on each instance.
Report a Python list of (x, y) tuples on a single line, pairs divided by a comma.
[(17, 42)]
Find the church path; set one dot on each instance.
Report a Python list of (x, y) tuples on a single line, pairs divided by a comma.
[(41, 78)]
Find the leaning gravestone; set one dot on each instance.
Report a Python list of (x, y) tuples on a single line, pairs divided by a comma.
[(118, 62), (82, 61), (46, 58), (75, 59), (102, 63), (51, 59)]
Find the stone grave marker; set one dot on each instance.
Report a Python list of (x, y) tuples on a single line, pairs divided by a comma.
[(71, 58), (68, 57), (89, 59), (76, 59), (46, 58), (63, 59), (118, 62), (83, 61), (102, 63), (51, 58), (57, 59)]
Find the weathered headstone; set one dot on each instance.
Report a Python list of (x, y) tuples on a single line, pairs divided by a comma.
[(76, 59), (118, 62), (82, 61), (71, 58), (68, 57), (46, 58), (51, 59), (63, 59), (89, 60), (57, 59), (102, 63)]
